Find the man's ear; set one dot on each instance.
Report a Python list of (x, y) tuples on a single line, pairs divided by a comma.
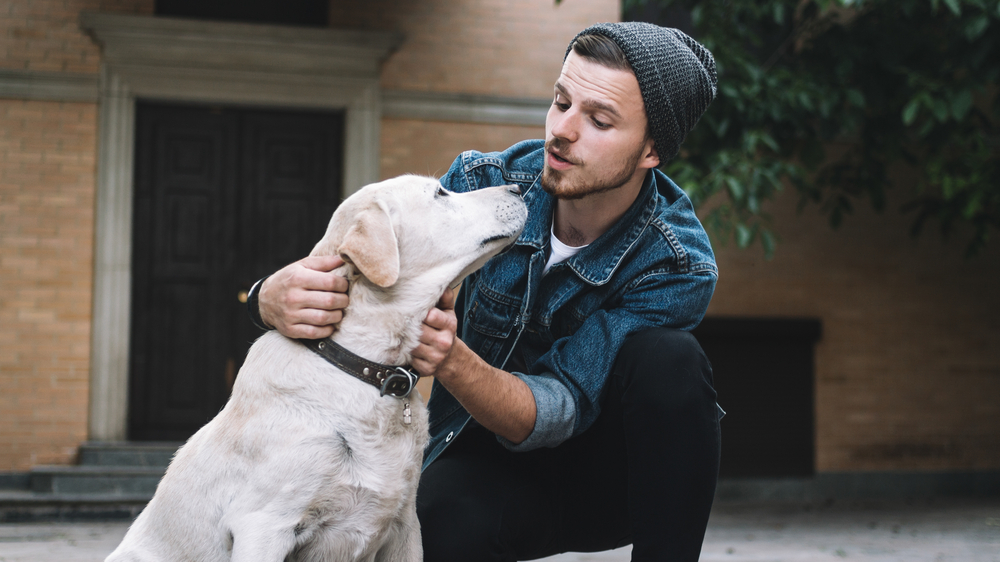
[(370, 244), (650, 157)]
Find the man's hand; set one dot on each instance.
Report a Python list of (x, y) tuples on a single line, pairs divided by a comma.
[(305, 299), (437, 338), (498, 400)]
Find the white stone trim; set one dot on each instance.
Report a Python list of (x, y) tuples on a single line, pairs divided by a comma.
[(189, 60), (48, 86), (396, 104), (464, 108)]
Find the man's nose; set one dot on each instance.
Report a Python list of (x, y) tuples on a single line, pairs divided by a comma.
[(564, 124)]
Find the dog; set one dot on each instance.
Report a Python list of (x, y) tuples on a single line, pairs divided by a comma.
[(307, 463)]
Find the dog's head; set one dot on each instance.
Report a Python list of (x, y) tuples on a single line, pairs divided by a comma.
[(410, 227)]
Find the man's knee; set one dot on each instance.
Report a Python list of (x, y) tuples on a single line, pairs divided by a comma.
[(452, 529), (664, 364)]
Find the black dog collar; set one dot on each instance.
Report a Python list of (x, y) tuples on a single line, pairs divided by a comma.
[(393, 380)]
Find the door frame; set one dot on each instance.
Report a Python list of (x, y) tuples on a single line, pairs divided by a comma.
[(174, 59)]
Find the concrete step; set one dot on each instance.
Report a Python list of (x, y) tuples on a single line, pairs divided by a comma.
[(104, 480), (111, 481), (94, 453), (29, 507)]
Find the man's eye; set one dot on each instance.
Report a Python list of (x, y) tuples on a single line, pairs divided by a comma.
[(600, 124)]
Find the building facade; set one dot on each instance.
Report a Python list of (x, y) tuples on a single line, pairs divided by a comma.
[(904, 371)]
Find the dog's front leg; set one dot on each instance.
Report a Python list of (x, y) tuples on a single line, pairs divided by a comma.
[(258, 537), (404, 542)]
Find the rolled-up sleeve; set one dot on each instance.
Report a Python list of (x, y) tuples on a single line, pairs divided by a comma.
[(569, 380), (555, 415)]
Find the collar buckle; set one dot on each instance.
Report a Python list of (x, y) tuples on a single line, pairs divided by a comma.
[(399, 383)]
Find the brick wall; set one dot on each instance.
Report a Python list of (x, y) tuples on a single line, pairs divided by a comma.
[(46, 237), (428, 147), (908, 368), (45, 35), (47, 154), (497, 47)]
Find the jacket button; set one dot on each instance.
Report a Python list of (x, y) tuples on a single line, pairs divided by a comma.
[(450, 435)]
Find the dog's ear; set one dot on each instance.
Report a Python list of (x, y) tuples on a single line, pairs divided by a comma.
[(370, 244)]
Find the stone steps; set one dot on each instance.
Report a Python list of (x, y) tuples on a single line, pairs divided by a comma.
[(111, 481)]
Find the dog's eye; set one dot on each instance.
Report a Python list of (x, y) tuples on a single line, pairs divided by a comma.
[(441, 192)]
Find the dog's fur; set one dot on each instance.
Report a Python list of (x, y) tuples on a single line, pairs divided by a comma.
[(305, 462)]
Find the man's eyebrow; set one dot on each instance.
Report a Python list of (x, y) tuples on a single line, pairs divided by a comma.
[(591, 103)]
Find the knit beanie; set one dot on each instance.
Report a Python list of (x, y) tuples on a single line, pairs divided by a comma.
[(676, 76)]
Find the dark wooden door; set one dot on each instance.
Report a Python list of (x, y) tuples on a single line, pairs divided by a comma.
[(223, 196)]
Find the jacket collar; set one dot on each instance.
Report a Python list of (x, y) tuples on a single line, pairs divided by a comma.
[(596, 263)]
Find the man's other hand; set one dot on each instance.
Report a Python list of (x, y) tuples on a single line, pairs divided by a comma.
[(437, 336), (305, 299)]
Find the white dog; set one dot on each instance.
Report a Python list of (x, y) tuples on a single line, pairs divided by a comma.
[(306, 462)]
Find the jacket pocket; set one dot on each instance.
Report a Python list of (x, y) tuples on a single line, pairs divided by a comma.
[(492, 316)]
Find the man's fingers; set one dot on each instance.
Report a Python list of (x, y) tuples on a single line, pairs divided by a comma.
[(320, 300), (309, 332), (305, 299), (447, 300), (322, 263), (442, 320), (317, 317), (306, 277)]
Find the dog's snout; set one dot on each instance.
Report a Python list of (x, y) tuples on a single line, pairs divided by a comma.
[(514, 189)]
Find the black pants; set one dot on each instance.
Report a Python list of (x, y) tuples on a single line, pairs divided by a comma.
[(644, 473)]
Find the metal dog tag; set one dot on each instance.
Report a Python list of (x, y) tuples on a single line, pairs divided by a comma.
[(406, 412)]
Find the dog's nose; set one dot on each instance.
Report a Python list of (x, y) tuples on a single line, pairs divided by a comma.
[(514, 189)]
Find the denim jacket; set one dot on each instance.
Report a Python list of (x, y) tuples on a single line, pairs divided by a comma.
[(654, 267)]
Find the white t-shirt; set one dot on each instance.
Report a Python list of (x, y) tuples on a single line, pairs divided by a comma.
[(560, 252)]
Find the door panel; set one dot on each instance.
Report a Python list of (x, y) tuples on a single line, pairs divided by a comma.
[(223, 196)]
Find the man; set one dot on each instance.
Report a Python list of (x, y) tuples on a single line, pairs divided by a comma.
[(574, 412)]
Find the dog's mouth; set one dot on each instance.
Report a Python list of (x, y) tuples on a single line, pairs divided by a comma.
[(493, 239), (498, 238)]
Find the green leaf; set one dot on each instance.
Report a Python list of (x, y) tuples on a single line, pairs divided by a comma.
[(954, 6), (975, 28), (961, 104), (947, 187), (769, 243), (855, 97), (736, 190), (744, 235), (910, 111), (805, 101), (770, 142), (973, 206), (723, 126), (940, 110)]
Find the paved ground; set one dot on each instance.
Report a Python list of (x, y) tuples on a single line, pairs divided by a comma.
[(938, 531)]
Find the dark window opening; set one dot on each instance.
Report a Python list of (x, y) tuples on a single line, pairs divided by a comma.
[(313, 13), (764, 376)]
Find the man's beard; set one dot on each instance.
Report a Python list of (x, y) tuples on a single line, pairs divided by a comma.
[(554, 182)]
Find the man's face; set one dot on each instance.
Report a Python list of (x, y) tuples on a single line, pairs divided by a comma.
[(595, 131)]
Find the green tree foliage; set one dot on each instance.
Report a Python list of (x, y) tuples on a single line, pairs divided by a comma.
[(830, 95)]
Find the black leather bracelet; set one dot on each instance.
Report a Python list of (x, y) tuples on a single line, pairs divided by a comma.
[(253, 306)]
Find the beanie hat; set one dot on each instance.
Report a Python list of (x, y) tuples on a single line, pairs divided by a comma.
[(676, 77)]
